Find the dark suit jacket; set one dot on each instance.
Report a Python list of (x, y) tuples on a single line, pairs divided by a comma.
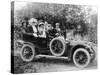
[(29, 29)]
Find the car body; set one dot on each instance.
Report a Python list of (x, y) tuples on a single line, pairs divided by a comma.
[(75, 50)]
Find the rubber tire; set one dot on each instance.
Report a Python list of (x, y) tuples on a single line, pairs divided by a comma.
[(64, 46), (88, 55), (33, 50)]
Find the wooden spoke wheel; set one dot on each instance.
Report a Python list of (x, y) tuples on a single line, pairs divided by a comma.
[(81, 58), (57, 46), (27, 52)]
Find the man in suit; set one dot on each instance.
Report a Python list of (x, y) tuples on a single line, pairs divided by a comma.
[(57, 27), (31, 30), (33, 26)]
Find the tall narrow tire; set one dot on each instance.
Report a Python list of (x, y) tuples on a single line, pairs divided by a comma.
[(57, 46), (81, 58), (27, 52)]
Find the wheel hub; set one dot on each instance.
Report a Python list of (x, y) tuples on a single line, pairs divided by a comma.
[(27, 52), (81, 58), (57, 46)]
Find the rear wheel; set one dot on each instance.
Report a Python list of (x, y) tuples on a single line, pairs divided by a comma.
[(81, 58), (27, 52), (57, 46)]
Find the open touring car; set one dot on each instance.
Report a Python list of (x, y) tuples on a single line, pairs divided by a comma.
[(80, 52)]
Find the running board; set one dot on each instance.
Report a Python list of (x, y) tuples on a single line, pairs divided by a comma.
[(51, 56)]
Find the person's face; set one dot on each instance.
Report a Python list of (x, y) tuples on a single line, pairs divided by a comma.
[(79, 26), (46, 22), (57, 25), (24, 25), (50, 27), (42, 26)]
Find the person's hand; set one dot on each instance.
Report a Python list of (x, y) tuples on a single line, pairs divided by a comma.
[(57, 34), (35, 35)]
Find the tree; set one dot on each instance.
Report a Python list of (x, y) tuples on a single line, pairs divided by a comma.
[(69, 16)]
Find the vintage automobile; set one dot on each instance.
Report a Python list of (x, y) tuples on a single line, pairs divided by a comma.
[(80, 52)]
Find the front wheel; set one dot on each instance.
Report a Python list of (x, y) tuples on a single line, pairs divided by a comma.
[(81, 58), (57, 46), (27, 52)]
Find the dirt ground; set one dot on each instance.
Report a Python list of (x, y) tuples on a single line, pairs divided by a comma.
[(46, 65)]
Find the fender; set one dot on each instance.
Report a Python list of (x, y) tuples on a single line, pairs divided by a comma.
[(24, 42), (79, 44)]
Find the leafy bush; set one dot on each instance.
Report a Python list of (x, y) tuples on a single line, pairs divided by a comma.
[(69, 16)]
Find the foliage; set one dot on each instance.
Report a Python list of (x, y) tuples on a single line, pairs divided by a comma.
[(69, 16)]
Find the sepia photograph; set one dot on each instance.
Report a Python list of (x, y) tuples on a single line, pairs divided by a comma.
[(53, 37)]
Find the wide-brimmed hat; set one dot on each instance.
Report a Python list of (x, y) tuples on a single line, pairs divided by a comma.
[(32, 20), (41, 23)]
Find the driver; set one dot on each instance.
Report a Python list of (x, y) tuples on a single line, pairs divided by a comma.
[(57, 27)]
